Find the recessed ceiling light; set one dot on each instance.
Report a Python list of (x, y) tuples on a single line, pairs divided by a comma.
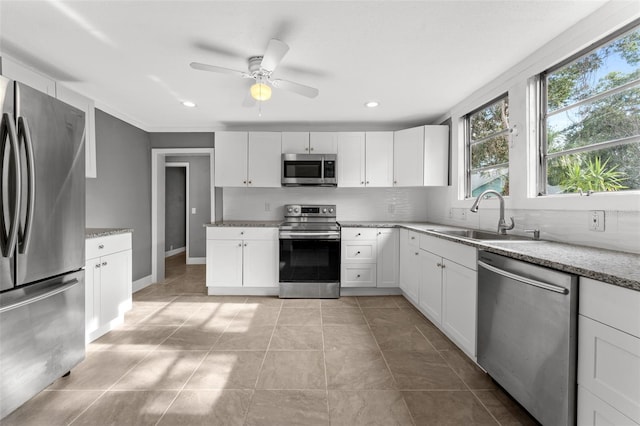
[(371, 104), (189, 104)]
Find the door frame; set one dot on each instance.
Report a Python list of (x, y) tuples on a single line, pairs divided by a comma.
[(183, 165), (158, 156)]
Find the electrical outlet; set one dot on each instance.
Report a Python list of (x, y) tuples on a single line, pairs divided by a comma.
[(596, 220), (450, 212), (267, 206), (193, 210), (463, 214)]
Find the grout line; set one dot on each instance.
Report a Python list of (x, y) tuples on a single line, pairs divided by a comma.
[(324, 360), (198, 366)]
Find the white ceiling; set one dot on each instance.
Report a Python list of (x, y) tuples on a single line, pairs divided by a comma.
[(418, 59)]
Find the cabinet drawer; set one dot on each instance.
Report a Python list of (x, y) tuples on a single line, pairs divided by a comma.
[(359, 233), (358, 275), (592, 411), (233, 233), (458, 253), (609, 365), (612, 305), (101, 246), (364, 252), (414, 239)]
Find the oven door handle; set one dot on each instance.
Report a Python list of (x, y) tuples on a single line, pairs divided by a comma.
[(309, 235)]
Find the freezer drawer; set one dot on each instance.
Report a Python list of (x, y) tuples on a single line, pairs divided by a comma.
[(42, 329)]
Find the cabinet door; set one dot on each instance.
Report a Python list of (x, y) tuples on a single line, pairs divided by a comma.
[(351, 159), (87, 105), (592, 411), (264, 162), (379, 159), (224, 263), (430, 297), (409, 267), (388, 252), (260, 267), (295, 142), (323, 142), (92, 296), (408, 157), (459, 301), (230, 159), (358, 275), (436, 155), (115, 276)]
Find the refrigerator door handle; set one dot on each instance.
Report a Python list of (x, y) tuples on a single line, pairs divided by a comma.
[(23, 130), (8, 130)]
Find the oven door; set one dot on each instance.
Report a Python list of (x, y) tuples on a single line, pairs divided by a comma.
[(307, 260)]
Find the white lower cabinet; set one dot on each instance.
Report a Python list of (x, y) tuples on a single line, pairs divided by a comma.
[(608, 354), (447, 293), (107, 283), (410, 264), (369, 257), (242, 257)]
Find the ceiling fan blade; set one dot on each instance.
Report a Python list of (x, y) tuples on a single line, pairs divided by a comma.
[(276, 50), (301, 89), (213, 68)]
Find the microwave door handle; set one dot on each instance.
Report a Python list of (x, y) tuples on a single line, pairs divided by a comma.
[(8, 130), (23, 129)]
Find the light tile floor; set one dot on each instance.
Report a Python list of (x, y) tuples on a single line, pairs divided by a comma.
[(185, 358)]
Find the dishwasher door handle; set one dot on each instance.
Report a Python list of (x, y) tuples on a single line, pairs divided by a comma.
[(529, 281)]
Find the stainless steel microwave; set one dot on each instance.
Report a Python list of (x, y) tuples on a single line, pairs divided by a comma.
[(309, 170)]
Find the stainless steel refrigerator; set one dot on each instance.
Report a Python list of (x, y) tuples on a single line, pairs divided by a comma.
[(42, 221)]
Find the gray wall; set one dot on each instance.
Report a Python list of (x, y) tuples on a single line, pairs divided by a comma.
[(120, 197), (175, 204), (199, 198), (181, 140)]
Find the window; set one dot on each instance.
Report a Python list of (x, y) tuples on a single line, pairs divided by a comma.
[(590, 138), (488, 148)]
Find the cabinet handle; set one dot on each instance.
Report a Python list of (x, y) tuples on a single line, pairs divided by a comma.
[(311, 148), (439, 265), (358, 276), (413, 238), (416, 253), (240, 245), (241, 232), (244, 181), (357, 253), (358, 234), (442, 266), (97, 265), (249, 182), (395, 182), (104, 263), (101, 246), (306, 149), (245, 244), (367, 182), (361, 183)]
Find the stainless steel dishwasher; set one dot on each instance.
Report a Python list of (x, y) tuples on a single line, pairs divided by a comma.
[(527, 334)]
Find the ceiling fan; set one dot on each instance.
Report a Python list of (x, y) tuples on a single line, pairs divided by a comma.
[(260, 69)]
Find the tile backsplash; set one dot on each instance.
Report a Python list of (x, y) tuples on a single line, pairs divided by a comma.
[(366, 204)]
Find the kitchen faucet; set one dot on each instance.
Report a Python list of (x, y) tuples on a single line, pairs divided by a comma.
[(502, 225)]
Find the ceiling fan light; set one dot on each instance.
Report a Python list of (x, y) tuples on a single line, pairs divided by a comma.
[(261, 92)]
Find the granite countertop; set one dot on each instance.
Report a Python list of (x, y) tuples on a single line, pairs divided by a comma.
[(246, 223), (610, 266), (104, 232)]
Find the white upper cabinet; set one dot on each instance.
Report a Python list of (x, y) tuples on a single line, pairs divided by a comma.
[(247, 159), (436, 155), (87, 105), (231, 159), (264, 159), (408, 157), (378, 159), (421, 156), (295, 142), (351, 159), (365, 159), (323, 142), (18, 72)]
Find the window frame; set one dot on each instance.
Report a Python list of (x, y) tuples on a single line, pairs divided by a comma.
[(542, 114), (469, 144)]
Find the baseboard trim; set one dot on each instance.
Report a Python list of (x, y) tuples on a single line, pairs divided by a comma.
[(242, 291), (369, 291), (196, 260), (143, 282), (174, 251)]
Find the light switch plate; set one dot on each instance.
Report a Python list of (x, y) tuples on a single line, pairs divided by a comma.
[(193, 210), (596, 220)]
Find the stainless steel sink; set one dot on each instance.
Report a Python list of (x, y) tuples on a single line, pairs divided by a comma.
[(475, 234)]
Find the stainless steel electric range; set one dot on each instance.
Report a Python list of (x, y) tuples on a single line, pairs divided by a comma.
[(310, 252)]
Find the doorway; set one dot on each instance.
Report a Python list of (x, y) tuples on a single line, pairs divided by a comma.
[(176, 228), (158, 201)]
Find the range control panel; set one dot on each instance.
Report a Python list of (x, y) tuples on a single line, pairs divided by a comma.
[(306, 210)]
